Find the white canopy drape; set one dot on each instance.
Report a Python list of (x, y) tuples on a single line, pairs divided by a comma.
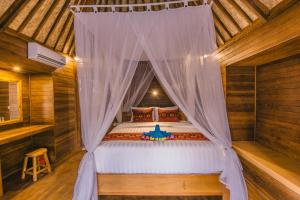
[(108, 63), (138, 88), (178, 43)]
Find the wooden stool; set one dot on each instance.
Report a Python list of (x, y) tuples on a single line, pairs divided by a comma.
[(37, 167)]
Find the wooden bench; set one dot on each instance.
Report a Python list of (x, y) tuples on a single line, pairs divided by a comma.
[(276, 174)]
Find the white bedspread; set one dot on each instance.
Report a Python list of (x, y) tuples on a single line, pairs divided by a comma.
[(160, 157)]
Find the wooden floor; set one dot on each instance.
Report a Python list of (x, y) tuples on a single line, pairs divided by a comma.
[(59, 186), (55, 186)]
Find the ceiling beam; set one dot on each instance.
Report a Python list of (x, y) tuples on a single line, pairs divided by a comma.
[(68, 43), (72, 50), (251, 5), (228, 14), (220, 34), (141, 8), (11, 13), (240, 11), (261, 6), (68, 35), (125, 9), (45, 18), (220, 28), (72, 46), (65, 25), (55, 23), (219, 40), (61, 31), (222, 23), (83, 3), (101, 2), (30, 15)]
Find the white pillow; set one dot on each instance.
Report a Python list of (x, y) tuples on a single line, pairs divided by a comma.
[(169, 108)]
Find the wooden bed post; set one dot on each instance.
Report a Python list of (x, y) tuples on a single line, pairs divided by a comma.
[(226, 193)]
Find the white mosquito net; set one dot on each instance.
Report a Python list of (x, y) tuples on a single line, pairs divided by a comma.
[(179, 44)]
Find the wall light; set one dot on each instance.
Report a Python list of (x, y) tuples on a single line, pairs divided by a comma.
[(77, 59), (154, 93), (17, 69)]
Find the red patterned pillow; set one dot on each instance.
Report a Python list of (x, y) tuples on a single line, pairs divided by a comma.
[(142, 115), (168, 115)]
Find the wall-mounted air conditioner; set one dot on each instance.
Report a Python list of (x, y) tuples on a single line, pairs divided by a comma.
[(44, 55)]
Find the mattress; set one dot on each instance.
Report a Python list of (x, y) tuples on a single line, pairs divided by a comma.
[(158, 157)]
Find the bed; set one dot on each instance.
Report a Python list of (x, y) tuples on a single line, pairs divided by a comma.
[(189, 165)]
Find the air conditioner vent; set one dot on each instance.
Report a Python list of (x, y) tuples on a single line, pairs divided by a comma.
[(44, 55)]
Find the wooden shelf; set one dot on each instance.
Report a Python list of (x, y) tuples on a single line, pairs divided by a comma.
[(280, 167), (22, 132)]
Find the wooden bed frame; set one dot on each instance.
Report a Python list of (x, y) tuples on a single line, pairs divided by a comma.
[(162, 185)]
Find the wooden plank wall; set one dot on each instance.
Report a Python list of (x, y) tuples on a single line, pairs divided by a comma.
[(41, 99), (161, 100), (278, 106), (42, 110), (12, 155), (66, 131), (240, 99)]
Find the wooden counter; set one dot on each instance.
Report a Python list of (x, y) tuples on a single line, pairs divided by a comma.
[(22, 132), (15, 134)]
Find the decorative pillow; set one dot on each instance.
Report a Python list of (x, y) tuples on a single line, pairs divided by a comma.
[(163, 108), (168, 115), (142, 114)]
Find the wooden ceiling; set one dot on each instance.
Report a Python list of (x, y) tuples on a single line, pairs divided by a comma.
[(50, 22)]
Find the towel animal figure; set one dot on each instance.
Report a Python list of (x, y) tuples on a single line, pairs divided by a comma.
[(157, 135)]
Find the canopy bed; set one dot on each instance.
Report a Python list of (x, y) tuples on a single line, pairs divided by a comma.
[(186, 166), (179, 43)]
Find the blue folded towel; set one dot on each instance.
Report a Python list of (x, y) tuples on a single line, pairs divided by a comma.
[(157, 134)]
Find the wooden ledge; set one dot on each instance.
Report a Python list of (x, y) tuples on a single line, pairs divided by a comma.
[(162, 185), (22, 132), (278, 166)]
